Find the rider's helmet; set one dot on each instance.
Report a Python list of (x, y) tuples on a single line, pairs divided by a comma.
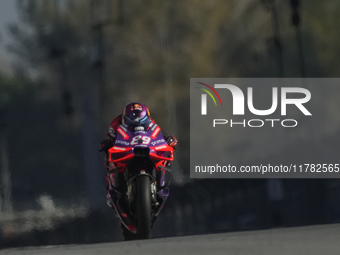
[(136, 114)]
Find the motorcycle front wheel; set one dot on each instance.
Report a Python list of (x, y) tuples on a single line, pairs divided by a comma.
[(144, 207)]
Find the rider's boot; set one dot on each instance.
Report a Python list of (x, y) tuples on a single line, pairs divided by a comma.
[(112, 182), (113, 188), (116, 196), (109, 199)]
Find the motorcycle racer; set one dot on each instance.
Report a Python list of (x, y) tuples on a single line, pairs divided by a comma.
[(135, 116)]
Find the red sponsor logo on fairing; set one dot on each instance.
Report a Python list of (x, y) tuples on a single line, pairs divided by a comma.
[(122, 133), (155, 133)]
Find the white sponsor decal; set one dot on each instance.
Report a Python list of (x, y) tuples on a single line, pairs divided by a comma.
[(123, 127), (119, 148), (158, 141), (112, 132), (139, 139), (139, 128), (122, 142), (140, 132), (160, 147)]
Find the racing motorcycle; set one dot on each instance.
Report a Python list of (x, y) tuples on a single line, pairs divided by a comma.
[(141, 158)]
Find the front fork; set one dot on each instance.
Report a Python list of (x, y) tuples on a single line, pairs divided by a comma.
[(158, 198), (131, 191), (159, 194)]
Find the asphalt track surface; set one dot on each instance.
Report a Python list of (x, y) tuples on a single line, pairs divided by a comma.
[(318, 240)]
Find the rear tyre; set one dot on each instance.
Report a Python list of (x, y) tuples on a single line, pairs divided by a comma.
[(144, 207)]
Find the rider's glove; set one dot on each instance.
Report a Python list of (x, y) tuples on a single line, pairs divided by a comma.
[(106, 144), (172, 141)]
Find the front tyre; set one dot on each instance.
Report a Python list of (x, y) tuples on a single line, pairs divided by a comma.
[(144, 207)]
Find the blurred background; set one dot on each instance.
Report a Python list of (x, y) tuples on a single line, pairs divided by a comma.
[(68, 67)]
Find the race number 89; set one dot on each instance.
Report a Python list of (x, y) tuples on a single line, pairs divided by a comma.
[(145, 140)]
